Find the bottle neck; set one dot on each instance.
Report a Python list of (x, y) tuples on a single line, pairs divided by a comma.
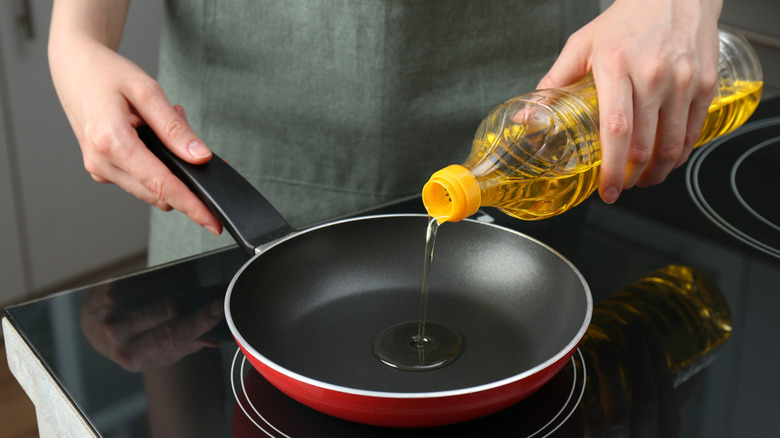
[(451, 194)]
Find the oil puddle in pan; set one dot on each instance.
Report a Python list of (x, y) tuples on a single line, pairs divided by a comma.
[(420, 345)]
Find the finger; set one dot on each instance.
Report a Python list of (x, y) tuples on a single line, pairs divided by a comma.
[(171, 127), (571, 65), (106, 144), (705, 93), (119, 177), (669, 144), (684, 156), (167, 189), (162, 188), (112, 152), (697, 114), (615, 129), (640, 149)]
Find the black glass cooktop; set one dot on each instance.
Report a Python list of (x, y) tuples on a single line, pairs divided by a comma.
[(734, 183), (104, 345)]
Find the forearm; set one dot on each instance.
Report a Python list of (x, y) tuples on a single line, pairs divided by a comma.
[(101, 21), (681, 14)]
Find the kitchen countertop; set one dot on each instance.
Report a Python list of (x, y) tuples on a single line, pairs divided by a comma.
[(78, 391)]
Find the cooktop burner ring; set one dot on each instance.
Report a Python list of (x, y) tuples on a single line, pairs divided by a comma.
[(241, 374), (263, 425), (721, 179), (735, 187)]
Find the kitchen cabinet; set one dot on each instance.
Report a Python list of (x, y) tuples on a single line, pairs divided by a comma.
[(56, 223)]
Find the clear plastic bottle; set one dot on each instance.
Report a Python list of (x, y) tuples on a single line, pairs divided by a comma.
[(678, 305), (538, 155)]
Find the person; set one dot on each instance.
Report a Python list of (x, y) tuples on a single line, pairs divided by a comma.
[(331, 107)]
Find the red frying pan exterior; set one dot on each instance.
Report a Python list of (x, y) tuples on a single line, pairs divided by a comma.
[(404, 411)]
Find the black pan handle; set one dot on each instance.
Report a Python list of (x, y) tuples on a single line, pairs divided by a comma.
[(243, 211)]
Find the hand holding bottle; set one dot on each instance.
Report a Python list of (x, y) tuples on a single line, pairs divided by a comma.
[(654, 64), (540, 154)]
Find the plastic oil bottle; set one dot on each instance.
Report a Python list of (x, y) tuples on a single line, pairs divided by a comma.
[(538, 155), (685, 311)]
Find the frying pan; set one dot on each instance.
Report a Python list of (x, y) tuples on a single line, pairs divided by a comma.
[(307, 305)]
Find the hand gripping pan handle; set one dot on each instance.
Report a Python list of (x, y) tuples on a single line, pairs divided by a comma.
[(243, 211)]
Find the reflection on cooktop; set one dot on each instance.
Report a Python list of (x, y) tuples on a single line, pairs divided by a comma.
[(733, 182)]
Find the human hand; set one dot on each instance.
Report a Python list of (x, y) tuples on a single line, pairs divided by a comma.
[(105, 97), (655, 68), (140, 331)]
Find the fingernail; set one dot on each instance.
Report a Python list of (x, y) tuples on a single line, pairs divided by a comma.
[(610, 195), (212, 230), (216, 308), (198, 149)]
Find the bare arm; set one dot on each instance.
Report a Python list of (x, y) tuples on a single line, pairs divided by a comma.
[(106, 96)]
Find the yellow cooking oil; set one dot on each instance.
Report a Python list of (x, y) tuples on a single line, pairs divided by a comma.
[(538, 155), (533, 157), (538, 188), (732, 107)]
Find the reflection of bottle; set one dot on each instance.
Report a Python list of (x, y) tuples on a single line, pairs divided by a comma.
[(538, 155), (685, 311)]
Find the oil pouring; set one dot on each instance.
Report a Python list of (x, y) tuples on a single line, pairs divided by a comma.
[(420, 345)]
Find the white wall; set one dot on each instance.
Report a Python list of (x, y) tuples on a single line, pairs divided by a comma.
[(57, 223)]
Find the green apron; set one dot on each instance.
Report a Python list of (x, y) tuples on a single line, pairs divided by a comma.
[(333, 106)]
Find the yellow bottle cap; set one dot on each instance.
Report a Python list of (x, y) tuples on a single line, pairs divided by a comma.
[(451, 194)]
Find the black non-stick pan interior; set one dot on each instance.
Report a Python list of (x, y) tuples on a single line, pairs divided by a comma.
[(311, 304), (314, 303)]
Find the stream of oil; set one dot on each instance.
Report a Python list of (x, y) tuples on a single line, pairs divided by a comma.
[(420, 345)]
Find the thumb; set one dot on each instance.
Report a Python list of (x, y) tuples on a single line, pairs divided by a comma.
[(197, 150), (571, 65), (171, 126)]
